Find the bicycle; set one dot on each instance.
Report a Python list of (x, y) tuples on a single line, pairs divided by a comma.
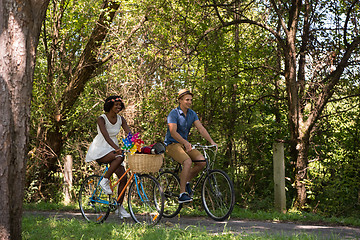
[(217, 190), (145, 198)]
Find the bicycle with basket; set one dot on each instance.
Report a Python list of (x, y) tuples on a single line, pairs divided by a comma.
[(217, 189), (145, 196)]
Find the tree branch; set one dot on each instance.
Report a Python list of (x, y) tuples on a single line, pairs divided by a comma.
[(347, 21), (332, 79), (283, 25), (88, 60)]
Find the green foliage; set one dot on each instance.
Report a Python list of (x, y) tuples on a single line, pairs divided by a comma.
[(334, 175), (68, 25), (46, 206), (240, 97)]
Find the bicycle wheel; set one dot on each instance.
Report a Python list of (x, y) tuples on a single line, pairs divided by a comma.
[(170, 184), (93, 202), (146, 200), (218, 196)]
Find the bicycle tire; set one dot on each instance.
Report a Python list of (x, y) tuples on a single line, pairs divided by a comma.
[(170, 184), (93, 202), (218, 195), (146, 200)]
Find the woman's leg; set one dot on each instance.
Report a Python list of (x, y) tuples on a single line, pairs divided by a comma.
[(121, 210), (114, 159), (119, 172)]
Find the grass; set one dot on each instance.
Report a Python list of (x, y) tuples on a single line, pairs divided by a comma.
[(289, 216), (44, 206), (35, 227), (41, 228), (192, 210), (45, 228)]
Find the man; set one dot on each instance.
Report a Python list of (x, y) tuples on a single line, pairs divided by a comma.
[(180, 121)]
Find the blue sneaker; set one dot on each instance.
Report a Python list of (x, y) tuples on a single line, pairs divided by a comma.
[(184, 198), (188, 189)]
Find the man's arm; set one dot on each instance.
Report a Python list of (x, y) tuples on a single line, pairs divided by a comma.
[(204, 132), (177, 136)]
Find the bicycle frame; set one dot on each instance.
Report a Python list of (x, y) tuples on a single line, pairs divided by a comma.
[(112, 186), (209, 162)]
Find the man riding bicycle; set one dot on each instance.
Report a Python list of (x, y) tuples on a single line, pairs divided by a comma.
[(180, 121)]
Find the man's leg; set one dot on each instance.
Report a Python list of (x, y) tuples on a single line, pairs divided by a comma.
[(177, 152), (185, 174), (199, 163), (194, 171)]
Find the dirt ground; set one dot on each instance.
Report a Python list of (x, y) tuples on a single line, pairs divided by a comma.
[(235, 226)]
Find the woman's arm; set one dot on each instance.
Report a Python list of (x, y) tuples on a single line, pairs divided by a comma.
[(125, 126)]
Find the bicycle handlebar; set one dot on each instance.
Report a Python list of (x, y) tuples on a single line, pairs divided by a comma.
[(204, 146)]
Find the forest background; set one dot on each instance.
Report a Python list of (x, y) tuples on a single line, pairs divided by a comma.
[(260, 71)]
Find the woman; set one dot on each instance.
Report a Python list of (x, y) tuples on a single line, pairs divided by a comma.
[(105, 146)]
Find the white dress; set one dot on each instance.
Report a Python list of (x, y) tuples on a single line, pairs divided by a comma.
[(100, 147)]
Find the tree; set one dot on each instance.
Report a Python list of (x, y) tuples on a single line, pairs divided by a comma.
[(314, 60), (20, 28), (73, 58)]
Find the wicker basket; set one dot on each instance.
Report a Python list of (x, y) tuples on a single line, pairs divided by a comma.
[(145, 163)]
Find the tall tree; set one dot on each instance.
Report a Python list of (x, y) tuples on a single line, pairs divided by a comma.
[(77, 74), (72, 58), (314, 61), (20, 24)]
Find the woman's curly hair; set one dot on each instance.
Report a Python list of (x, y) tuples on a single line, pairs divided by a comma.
[(109, 103)]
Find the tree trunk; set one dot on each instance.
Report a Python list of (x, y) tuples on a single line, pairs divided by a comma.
[(20, 24), (301, 173)]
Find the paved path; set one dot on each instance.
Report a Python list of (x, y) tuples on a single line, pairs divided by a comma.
[(235, 226)]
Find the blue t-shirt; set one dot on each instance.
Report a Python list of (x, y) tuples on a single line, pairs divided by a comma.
[(184, 124)]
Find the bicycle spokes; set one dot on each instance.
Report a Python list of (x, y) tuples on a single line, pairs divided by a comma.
[(146, 200), (171, 187), (218, 195), (93, 203)]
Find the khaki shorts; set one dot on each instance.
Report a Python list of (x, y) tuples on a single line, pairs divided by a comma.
[(178, 153)]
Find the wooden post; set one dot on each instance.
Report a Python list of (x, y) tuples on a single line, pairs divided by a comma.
[(279, 177), (67, 178)]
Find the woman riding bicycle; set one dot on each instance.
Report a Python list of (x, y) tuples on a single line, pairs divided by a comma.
[(105, 146), (180, 121)]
